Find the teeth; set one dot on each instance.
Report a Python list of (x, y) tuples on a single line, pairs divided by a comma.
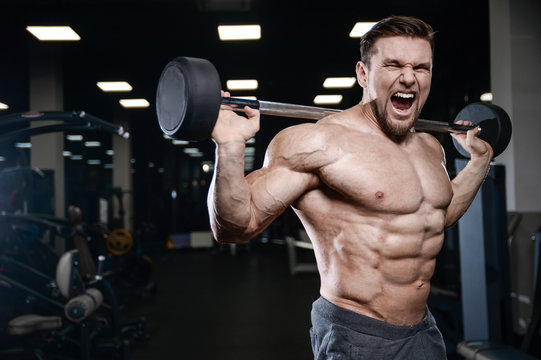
[(404, 96)]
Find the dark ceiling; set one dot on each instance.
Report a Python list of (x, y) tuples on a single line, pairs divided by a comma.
[(302, 43)]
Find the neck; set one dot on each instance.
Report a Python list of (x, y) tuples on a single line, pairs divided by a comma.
[(369, 111)]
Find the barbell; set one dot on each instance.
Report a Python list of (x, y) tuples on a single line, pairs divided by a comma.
[(188, 101)]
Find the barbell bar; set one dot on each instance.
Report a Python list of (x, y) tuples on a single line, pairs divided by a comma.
[(188, 101)]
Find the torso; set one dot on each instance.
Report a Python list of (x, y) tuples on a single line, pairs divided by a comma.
[(376, 219)]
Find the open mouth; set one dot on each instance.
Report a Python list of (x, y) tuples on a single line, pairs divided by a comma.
[(402, 100)]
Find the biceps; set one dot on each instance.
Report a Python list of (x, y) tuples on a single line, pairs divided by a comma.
[(274, 189)]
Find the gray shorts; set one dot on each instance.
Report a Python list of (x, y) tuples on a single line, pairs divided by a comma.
[(338, 334)]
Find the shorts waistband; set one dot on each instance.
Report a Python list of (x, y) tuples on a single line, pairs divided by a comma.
[(367, 325)]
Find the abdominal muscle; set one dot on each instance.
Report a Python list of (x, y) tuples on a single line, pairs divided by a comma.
[(376, 265)]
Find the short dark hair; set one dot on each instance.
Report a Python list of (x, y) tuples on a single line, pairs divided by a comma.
[(395, 26)]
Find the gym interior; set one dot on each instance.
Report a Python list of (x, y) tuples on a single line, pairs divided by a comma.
[(105, 244)]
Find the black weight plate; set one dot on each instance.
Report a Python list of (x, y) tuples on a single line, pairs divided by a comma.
[(188, 98), (493, 116)]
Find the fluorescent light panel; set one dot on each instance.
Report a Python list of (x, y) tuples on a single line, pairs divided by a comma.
[(3, 106), (74, 137), (92, 143), (93, 162), (487, 97), (249, 84), (339, 82), (53, 33), (327, 99), (23, 145), (134, 103), (361, 28), (239, 32), (114, 86)]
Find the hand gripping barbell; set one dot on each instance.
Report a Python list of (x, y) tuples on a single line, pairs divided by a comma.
[(188, 101)]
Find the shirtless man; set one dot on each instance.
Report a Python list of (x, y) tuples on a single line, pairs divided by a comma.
[(373, 195)]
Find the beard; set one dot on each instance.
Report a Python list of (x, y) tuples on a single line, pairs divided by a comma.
[(393, 131)]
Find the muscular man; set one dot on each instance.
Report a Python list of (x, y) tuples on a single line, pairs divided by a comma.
[(373, 195)]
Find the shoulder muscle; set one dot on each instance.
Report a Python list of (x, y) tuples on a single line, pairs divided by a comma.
[(303, 148)]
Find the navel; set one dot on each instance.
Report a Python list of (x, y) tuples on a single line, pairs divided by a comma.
[(379, 195)]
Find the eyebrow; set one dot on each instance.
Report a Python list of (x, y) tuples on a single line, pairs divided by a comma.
[(398, 62)]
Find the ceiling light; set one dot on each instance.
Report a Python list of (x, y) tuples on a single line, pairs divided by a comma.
[(92, 143), (23, 145), (53, 33), (107, 166), (74, 137), (180, 142), (327, 99), (196, 155), (360, 29), (76, 157), (487, 97), (339, 82), (66, 153), (2, 158), (242, 84), (94, 162), (110, 152), (191, 150), (3, 106), (134, 103), (114, 86), (239, 32)]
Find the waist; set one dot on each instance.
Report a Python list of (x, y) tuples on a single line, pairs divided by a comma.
[(323, 309)]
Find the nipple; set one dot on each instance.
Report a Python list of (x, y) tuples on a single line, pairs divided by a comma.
[(379, 195)]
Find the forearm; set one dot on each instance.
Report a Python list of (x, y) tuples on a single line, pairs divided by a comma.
[(229, 197), (465, 187)]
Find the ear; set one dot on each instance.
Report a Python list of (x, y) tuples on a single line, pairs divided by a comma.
[(361, 69)]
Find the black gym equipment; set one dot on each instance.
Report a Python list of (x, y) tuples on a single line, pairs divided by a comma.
[(188, 102), (485, 281), (76, 120), (25, 292), (67, 329)]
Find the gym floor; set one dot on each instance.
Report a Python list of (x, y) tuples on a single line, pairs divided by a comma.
[(211, 304)]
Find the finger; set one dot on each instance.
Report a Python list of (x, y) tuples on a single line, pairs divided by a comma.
[(251, 112), (464, 122), (474, 143), (226, 107)]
